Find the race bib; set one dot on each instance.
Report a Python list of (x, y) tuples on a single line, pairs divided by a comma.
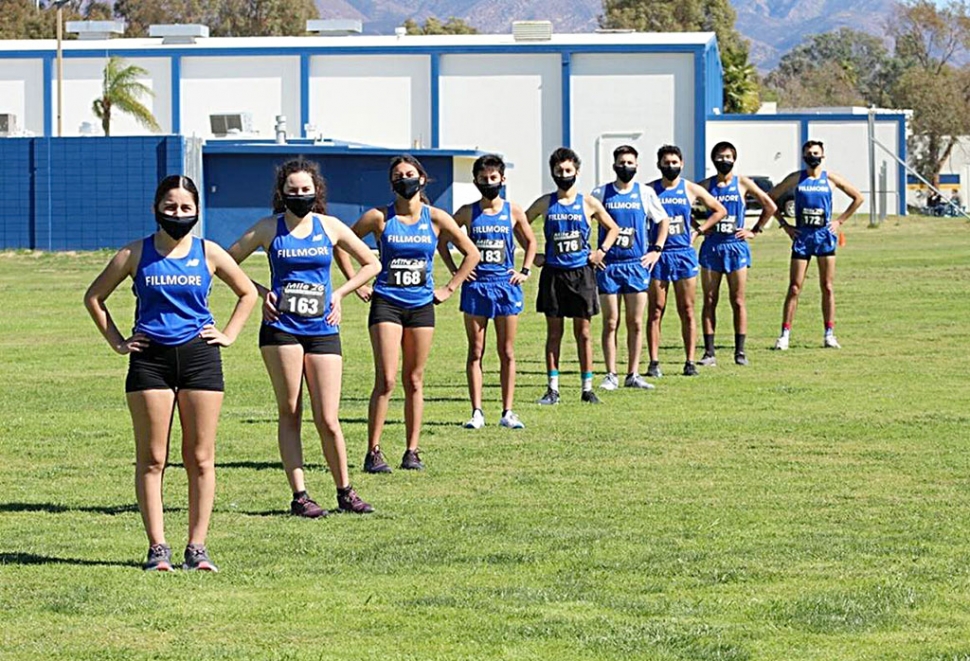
[(304, 299), (813, 217), (677, 226), (493, 250), (625, 240), (567, 243), (727, 226), (407, 273)]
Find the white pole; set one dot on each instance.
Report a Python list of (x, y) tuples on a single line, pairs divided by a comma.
[(872, 167), (60, 68)]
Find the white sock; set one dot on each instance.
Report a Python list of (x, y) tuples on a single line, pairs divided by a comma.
[(554, 382), (785, 332)]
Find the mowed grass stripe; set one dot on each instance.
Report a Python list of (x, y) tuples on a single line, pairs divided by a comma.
[(811, 506)]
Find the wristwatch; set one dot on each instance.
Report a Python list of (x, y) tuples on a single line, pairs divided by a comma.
[(656, 248), (526, 272)]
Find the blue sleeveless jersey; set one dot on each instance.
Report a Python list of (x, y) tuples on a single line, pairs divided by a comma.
[(813, 201), (492, 235), (407, 252), (628, 212), (172, 294), (677, 205), (300, 271), (733, 200), (566, 230)]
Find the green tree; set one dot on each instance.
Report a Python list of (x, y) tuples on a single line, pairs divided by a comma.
[(434, 26), (225, 18), (741, 81), (122, 91), (21, 19), (932, 45), (840, 68)]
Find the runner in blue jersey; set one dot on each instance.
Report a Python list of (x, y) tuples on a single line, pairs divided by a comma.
[(725, 251), (402, 300), (815, 234), (300, 335), (174, 359), (678, 261), (635, 208), (567, 285), (494, 288)]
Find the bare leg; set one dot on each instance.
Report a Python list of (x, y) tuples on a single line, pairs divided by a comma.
[(285, 366), (417, 346), (199, 414), (323, 378), (711, 285), (475, 328), (554, 331), (505, 331), (385, 339), (685, 291), (737, 286), (151, 416), (826, 280), (635, 305), (610, 304), (796, 277), (657, 302), (584, 344)]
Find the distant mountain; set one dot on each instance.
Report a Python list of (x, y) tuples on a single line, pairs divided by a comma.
[(772, 26)]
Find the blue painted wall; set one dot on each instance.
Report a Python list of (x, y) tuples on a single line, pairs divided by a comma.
[(239, 186), (81, 193)]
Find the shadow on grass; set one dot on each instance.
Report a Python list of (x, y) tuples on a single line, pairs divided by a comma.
[(355, 421), (53, 508), (34, 559)]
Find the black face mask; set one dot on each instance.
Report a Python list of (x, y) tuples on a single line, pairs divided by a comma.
[(625, 173), (175, 226), (407, 188), (564, 183), (670, 172), (723, 167), (299, 205), (489, 191), (813, 161)]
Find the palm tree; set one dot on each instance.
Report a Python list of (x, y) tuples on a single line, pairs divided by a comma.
[(122, 91)]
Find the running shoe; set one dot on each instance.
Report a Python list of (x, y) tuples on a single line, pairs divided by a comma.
[(511, 421), (707, 360), (740, 358), (637, 381), (374, 462), (477, 421), (197, 559), (349, 501), (781, 344), (411, 461), (159, 558), (306, 507), (551, 397), (690, 369), (610, 382), (831, 343), (653, 369), (589, 397)]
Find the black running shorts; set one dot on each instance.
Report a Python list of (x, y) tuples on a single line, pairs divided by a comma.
[(568, 292), (383, 311), (318, 344), (195, 365)]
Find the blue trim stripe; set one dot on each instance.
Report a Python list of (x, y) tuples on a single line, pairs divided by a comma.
[(176, 74), (304, 93), (901, 171), (567, 99), (811, 117), (803, 132), (700, 114), (48, 96), (435, 61)]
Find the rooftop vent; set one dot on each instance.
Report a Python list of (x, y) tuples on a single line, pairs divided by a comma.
[(179, 34), (532, 30), (92, 30), (335, 27)]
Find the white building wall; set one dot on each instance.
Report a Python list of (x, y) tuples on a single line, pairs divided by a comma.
[(510, 104), (380, 100), (768, 148), (82, 84), (847, 153), (262, 86), (647, 97), (22, 93)]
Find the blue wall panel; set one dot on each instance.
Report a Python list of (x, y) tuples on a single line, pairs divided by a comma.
[(81, 193)]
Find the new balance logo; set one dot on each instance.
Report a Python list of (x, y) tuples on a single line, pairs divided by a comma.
[(317, 237), (192, 262)]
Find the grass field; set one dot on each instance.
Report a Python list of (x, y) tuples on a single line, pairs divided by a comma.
[(812, 506)]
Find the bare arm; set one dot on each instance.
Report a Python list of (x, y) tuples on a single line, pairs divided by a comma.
[(599, 213), (527, 239), (780, 191), (257, 236), (372, 222), (537, 209), (768, 206), (122, 265), (657, 215), (849, 190), (462, 218), (448, 230), (718, 212), (227, 270), (347, 243)]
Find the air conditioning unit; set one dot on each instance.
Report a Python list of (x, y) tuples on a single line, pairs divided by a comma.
[(8, 125), (230, 124), (532, 30)]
